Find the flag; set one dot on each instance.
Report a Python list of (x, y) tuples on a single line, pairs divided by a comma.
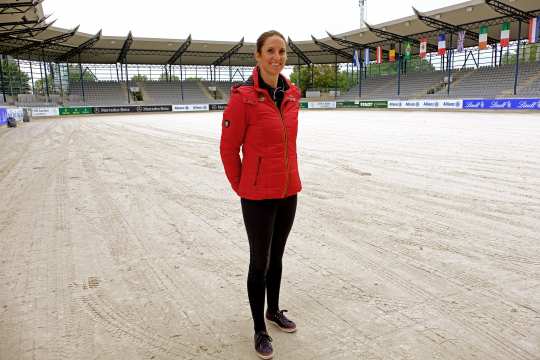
[(534, 29), (442, 44), (356, 59), (379, 54), (505, 34), (366, 57), (482, 37), (408, 51), (423, 47), (461, 41), (392, 55)]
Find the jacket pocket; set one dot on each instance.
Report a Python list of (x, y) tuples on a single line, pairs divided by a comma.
[(258, 170)]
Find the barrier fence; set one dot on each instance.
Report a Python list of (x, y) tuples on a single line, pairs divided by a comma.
[(430, 104)]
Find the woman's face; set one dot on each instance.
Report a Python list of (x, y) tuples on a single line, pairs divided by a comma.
[(273, 55)]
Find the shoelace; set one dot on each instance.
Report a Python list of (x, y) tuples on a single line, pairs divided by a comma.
[(261, 337), (279, 315)]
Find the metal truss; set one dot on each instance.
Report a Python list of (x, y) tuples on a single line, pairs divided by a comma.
[(181, 50), (229, 53), (79, 49), (13, 25), (508, 10), (26, 32), (125, 48), (35, 44), (333, 50), (441, 25), (399, 38), (18, 7), (299, 52)]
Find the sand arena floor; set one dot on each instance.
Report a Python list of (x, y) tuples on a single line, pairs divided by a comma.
[(417, 237)]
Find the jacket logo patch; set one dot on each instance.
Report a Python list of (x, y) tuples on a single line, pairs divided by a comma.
[(261, 98), (226, 123)]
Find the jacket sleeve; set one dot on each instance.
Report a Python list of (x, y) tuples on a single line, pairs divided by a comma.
[(233, 129)]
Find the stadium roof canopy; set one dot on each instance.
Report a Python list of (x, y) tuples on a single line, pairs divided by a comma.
[(26, 34)]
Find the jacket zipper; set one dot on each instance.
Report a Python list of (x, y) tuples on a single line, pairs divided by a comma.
[(258, 169), (286, 142)]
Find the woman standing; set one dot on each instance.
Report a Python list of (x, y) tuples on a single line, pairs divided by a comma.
[(262, 119)]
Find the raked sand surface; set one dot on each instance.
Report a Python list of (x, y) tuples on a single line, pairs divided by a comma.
[(417, 236)]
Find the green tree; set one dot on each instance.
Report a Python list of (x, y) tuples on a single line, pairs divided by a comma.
[(75, 74), (15, 81), (324, 77), (139, 77)]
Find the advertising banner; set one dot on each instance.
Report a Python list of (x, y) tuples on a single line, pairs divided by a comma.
[(16, 113), (303, 105), (78, 110), (363, 104), (3, 116), (347, 104), (45, 111), (376, 104), (130, 109), (425, 104), (502, 104), (190, 107), (321, 105), (217, 107)]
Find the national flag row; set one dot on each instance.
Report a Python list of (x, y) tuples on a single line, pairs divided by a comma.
[(534, 36)]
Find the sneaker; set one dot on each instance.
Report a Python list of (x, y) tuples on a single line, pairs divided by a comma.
[(281, 321), (263, 345)]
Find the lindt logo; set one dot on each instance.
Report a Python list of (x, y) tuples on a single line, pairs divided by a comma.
[(475, 105), (529, 105), (500, 104)]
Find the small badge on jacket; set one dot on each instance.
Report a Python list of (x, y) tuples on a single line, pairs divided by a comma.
[(226, 123)]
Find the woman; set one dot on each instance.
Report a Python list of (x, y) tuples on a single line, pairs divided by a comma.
[(262, 118)]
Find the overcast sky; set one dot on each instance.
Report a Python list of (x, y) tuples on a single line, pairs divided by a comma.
[(227, 20)]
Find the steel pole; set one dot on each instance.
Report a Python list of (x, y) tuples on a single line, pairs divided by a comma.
[(517, 59)]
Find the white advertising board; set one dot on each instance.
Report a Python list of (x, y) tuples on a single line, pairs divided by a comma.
[(321, 105), (425, 104), (190, 107), (45, 111)]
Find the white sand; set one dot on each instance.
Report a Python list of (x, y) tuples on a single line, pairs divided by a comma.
[(417, 237)]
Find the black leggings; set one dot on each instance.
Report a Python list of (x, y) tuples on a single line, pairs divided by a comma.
[(268, 223)]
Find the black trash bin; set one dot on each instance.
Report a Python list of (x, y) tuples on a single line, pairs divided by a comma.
[(11, 122), (26, 115)]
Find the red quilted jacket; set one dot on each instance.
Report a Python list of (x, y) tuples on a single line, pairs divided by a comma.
[(268, 168)]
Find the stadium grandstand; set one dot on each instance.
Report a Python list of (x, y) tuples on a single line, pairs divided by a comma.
[(444, 53)]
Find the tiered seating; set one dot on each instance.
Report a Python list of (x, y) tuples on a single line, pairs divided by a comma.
[(100, 92), (165, 92), (491, 81), (468, 83)]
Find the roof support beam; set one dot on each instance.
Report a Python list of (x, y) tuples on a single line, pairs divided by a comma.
[(229, 53), (43, 44), (508, 10), (441, 25), (18, 7), (332, 50), (182, 49), (79, 49), (125, 48), (299, 52), (398, 38), (30, 32)]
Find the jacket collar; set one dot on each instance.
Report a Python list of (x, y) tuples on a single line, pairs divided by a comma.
[(257, 86)]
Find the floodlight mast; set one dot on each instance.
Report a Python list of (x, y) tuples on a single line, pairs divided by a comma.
[(363, 13)]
